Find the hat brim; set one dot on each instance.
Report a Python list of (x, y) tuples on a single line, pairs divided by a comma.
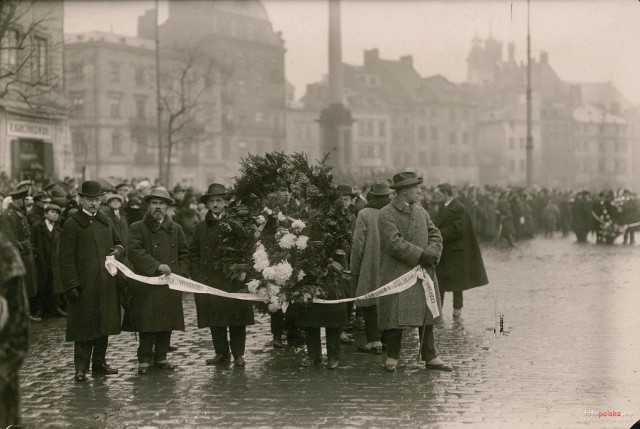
[(148, 198), (380, 194), (19, 194), (92, 195), (114, 197), (406, 183), (205, 197)]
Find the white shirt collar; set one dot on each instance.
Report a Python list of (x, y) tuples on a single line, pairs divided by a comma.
[(88, 212)]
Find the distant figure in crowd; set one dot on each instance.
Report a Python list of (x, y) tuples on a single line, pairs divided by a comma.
[(15, 226), (461, 266), (582, 217), (365, 261), (550, 218), (40, 200), (93, 309), (506, 221), (226, 318), (408, 237), (118, 217), (46, 236), (156, 247), (14, 331), (347, 195)]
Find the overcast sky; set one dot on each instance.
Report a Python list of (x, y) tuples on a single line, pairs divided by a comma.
[(592, 41)]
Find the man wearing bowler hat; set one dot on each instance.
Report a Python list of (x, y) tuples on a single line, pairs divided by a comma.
[(408, 238), (157, 246), (93, 309), (14, 224), (215, 312)]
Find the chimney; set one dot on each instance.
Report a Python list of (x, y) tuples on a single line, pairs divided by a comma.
[(407, 60), (512, 53), (544, 58), (371, 56)]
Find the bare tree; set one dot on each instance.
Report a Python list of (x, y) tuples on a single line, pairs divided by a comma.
[(186, 79), (26, 72)]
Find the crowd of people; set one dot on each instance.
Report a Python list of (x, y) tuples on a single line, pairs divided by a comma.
[(56, 236)]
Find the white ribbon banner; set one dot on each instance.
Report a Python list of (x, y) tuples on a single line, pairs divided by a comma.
[(184, 284)]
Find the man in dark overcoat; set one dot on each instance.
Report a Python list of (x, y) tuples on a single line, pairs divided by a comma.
[(93, 310), (157, 246), (15, 226), (461, 266), (40, 201), (46, 236), (215, 312), (408, 238)]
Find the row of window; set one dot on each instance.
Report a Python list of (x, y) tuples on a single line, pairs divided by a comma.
[(26, 55), (453, 114)]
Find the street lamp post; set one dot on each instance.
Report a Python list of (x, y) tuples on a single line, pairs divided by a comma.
[(529, 135)]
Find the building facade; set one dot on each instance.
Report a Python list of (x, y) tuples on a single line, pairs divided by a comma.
[(34, 136)]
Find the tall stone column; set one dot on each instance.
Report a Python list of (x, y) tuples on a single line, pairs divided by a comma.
[(335, 120)]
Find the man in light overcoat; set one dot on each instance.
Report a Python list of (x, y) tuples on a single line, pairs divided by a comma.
[(408, 238)]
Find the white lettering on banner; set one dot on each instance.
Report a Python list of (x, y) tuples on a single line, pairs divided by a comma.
[(184, 284), (28, 129)]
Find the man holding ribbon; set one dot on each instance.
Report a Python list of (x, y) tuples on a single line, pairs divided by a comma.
[(408, 237), (215, 312), (157, 246)]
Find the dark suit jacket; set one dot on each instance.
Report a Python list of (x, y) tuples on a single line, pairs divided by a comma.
[(461, 266), (46, 246), (120, 225)]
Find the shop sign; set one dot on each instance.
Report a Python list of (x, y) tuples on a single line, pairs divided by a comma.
[(29, 129)]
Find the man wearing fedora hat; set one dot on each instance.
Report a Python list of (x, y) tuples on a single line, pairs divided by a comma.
[(214, 312), (408, 237), (157, 246), (40, 200), (93, 309), (45, 237), (14, 224)]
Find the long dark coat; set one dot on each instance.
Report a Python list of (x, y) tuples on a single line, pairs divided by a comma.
[(365, 254), (461, 266), (214, 310), (46, 247), (582, 217), (84, 245), (156, 308), (405, 232), (506, 217), (15, 225)]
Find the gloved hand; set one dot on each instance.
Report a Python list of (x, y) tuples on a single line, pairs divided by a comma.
[(427, 260), (73, 294), (164, 269)]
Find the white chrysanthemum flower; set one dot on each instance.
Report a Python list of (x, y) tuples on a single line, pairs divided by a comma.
[(270, 273), (260, 220), (301, 275), (283, 273), (297, 224), (273, 307), (260, 258), (306, 297), (253, 286), (268, 211), (273, 290), (302, 242), (287, 241), (281, 217)]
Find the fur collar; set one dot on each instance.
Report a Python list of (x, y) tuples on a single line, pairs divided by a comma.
[(84, 220), (167, 223)]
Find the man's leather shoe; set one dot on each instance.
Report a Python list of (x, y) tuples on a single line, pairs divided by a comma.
[(439, 366), (277, 343), (172, 348), (143, 370), (81, 375), (35, 319), (103, 368), (333, 364), (164, 365), (239, 361), (60, 312), (218, 359)]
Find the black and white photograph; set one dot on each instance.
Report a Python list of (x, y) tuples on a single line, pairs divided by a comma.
[(351, 214)]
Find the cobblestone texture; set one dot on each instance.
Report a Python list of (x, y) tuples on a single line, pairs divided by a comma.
[(570, 345)]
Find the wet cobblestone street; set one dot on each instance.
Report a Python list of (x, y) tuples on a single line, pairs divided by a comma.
[(570, 345)]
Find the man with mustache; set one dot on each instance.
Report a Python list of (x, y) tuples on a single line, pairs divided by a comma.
[(93, 309), (157, 246)]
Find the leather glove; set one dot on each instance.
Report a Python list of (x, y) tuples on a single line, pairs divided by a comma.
[(73, 294), (427, 260), (164, 269)]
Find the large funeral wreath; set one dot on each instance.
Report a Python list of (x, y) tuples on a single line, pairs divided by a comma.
[(285, 230)]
